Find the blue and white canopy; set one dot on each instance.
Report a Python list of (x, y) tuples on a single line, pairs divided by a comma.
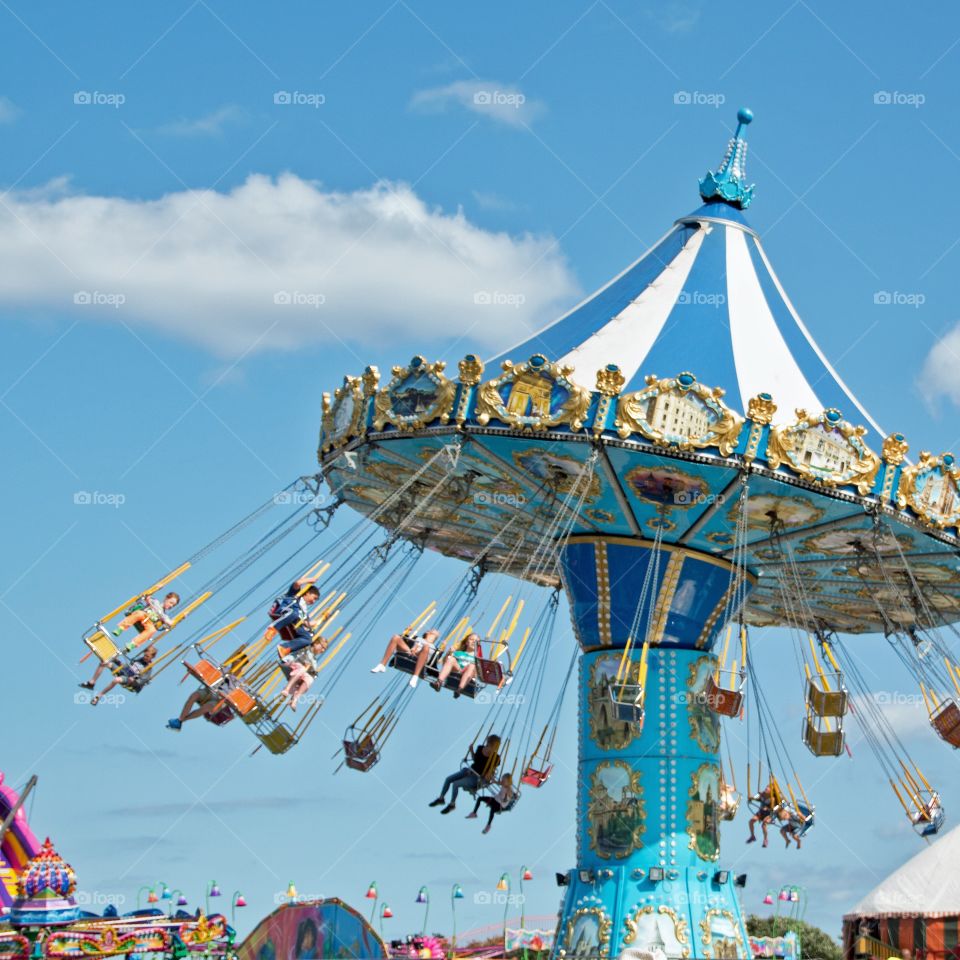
[(705, 299)]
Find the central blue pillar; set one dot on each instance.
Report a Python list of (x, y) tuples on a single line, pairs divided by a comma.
[(648, 846)]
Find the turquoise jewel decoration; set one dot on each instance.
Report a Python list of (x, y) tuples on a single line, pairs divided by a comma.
[(729, 182)]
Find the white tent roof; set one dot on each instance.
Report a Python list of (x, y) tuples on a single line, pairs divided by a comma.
[(929, 883)]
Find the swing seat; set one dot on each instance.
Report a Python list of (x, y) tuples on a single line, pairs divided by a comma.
[(278, 739), (728, 810), (490, 672), (431, 673), (533, 777), (242, 702), (931, 827), (361, 754), (222, 715), (209, 674), (807, 814), (101, 644), (822, 743), (627, 700), (946, 722), (827, 703), (727, 703)]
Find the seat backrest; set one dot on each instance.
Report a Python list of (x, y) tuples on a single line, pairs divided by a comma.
[(490, 672)]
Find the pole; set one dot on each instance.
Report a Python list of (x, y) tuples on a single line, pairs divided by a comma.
[(506, 907), (453, 909), (523, 917)]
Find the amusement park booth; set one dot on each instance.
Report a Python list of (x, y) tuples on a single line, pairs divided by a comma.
[(914, 913)]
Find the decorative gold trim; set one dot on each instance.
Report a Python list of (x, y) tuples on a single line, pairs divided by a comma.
[(599, 792), (894, 449), (531, 386), (785, 443), (352, 390), (603, 593), (471, 370), (610, 380), (439, 407), (913, 493), (634, 409), (371, 379), (648, 544), (761, 408), (706, 937), (671, 578), (604, 923), (680, 929), (715, 615)]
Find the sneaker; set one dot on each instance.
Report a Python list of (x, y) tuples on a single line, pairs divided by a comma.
[(174, 724), (486, 829), (751, 839), (117, 633), (94, 701), (86, 685), (436, 685), (449, 807), (437, 802), (379, 668), (413, 682), (456, 693), (472, 816)]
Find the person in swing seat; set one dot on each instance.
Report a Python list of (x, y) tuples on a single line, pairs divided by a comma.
[(133, 675), (463, 660), (483, 766), (763, 816), (149, 615), (497, 803), (303, 671), (421, 647), (291, 616)]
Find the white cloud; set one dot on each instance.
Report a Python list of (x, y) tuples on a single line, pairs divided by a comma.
[(210, 125), (501, 102), (941, 370), (675, 16), (276, 263)]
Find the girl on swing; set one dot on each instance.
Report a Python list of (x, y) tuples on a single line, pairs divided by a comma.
[(483, 765), (497, 803), (463, 659), (303, 671)]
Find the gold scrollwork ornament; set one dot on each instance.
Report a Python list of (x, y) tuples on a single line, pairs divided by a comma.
[(604, 923), (824, 449), (343, 416), (680, 412), (417, 395), (530, 403), (931, 488)]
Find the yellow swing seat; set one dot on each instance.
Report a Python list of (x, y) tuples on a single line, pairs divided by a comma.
[(100, 643), (821, 742), (827, 703)]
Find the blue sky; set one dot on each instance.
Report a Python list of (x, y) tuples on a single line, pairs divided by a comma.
[(180, 165)]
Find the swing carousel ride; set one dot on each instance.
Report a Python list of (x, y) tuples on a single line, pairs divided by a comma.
[(678, 512)]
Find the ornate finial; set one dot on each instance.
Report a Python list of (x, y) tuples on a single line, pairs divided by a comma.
[(729, 182), (895, 449), (610, 380)]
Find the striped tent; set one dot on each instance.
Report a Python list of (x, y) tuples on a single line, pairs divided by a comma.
[(915, 911), (704, 298)]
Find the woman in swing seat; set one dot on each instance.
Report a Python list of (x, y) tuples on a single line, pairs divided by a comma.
[(497, 803), (420, 647), (463, 660), (483, 766)]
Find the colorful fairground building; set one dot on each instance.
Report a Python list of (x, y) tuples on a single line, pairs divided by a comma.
[(678, 459), (40, 915)]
